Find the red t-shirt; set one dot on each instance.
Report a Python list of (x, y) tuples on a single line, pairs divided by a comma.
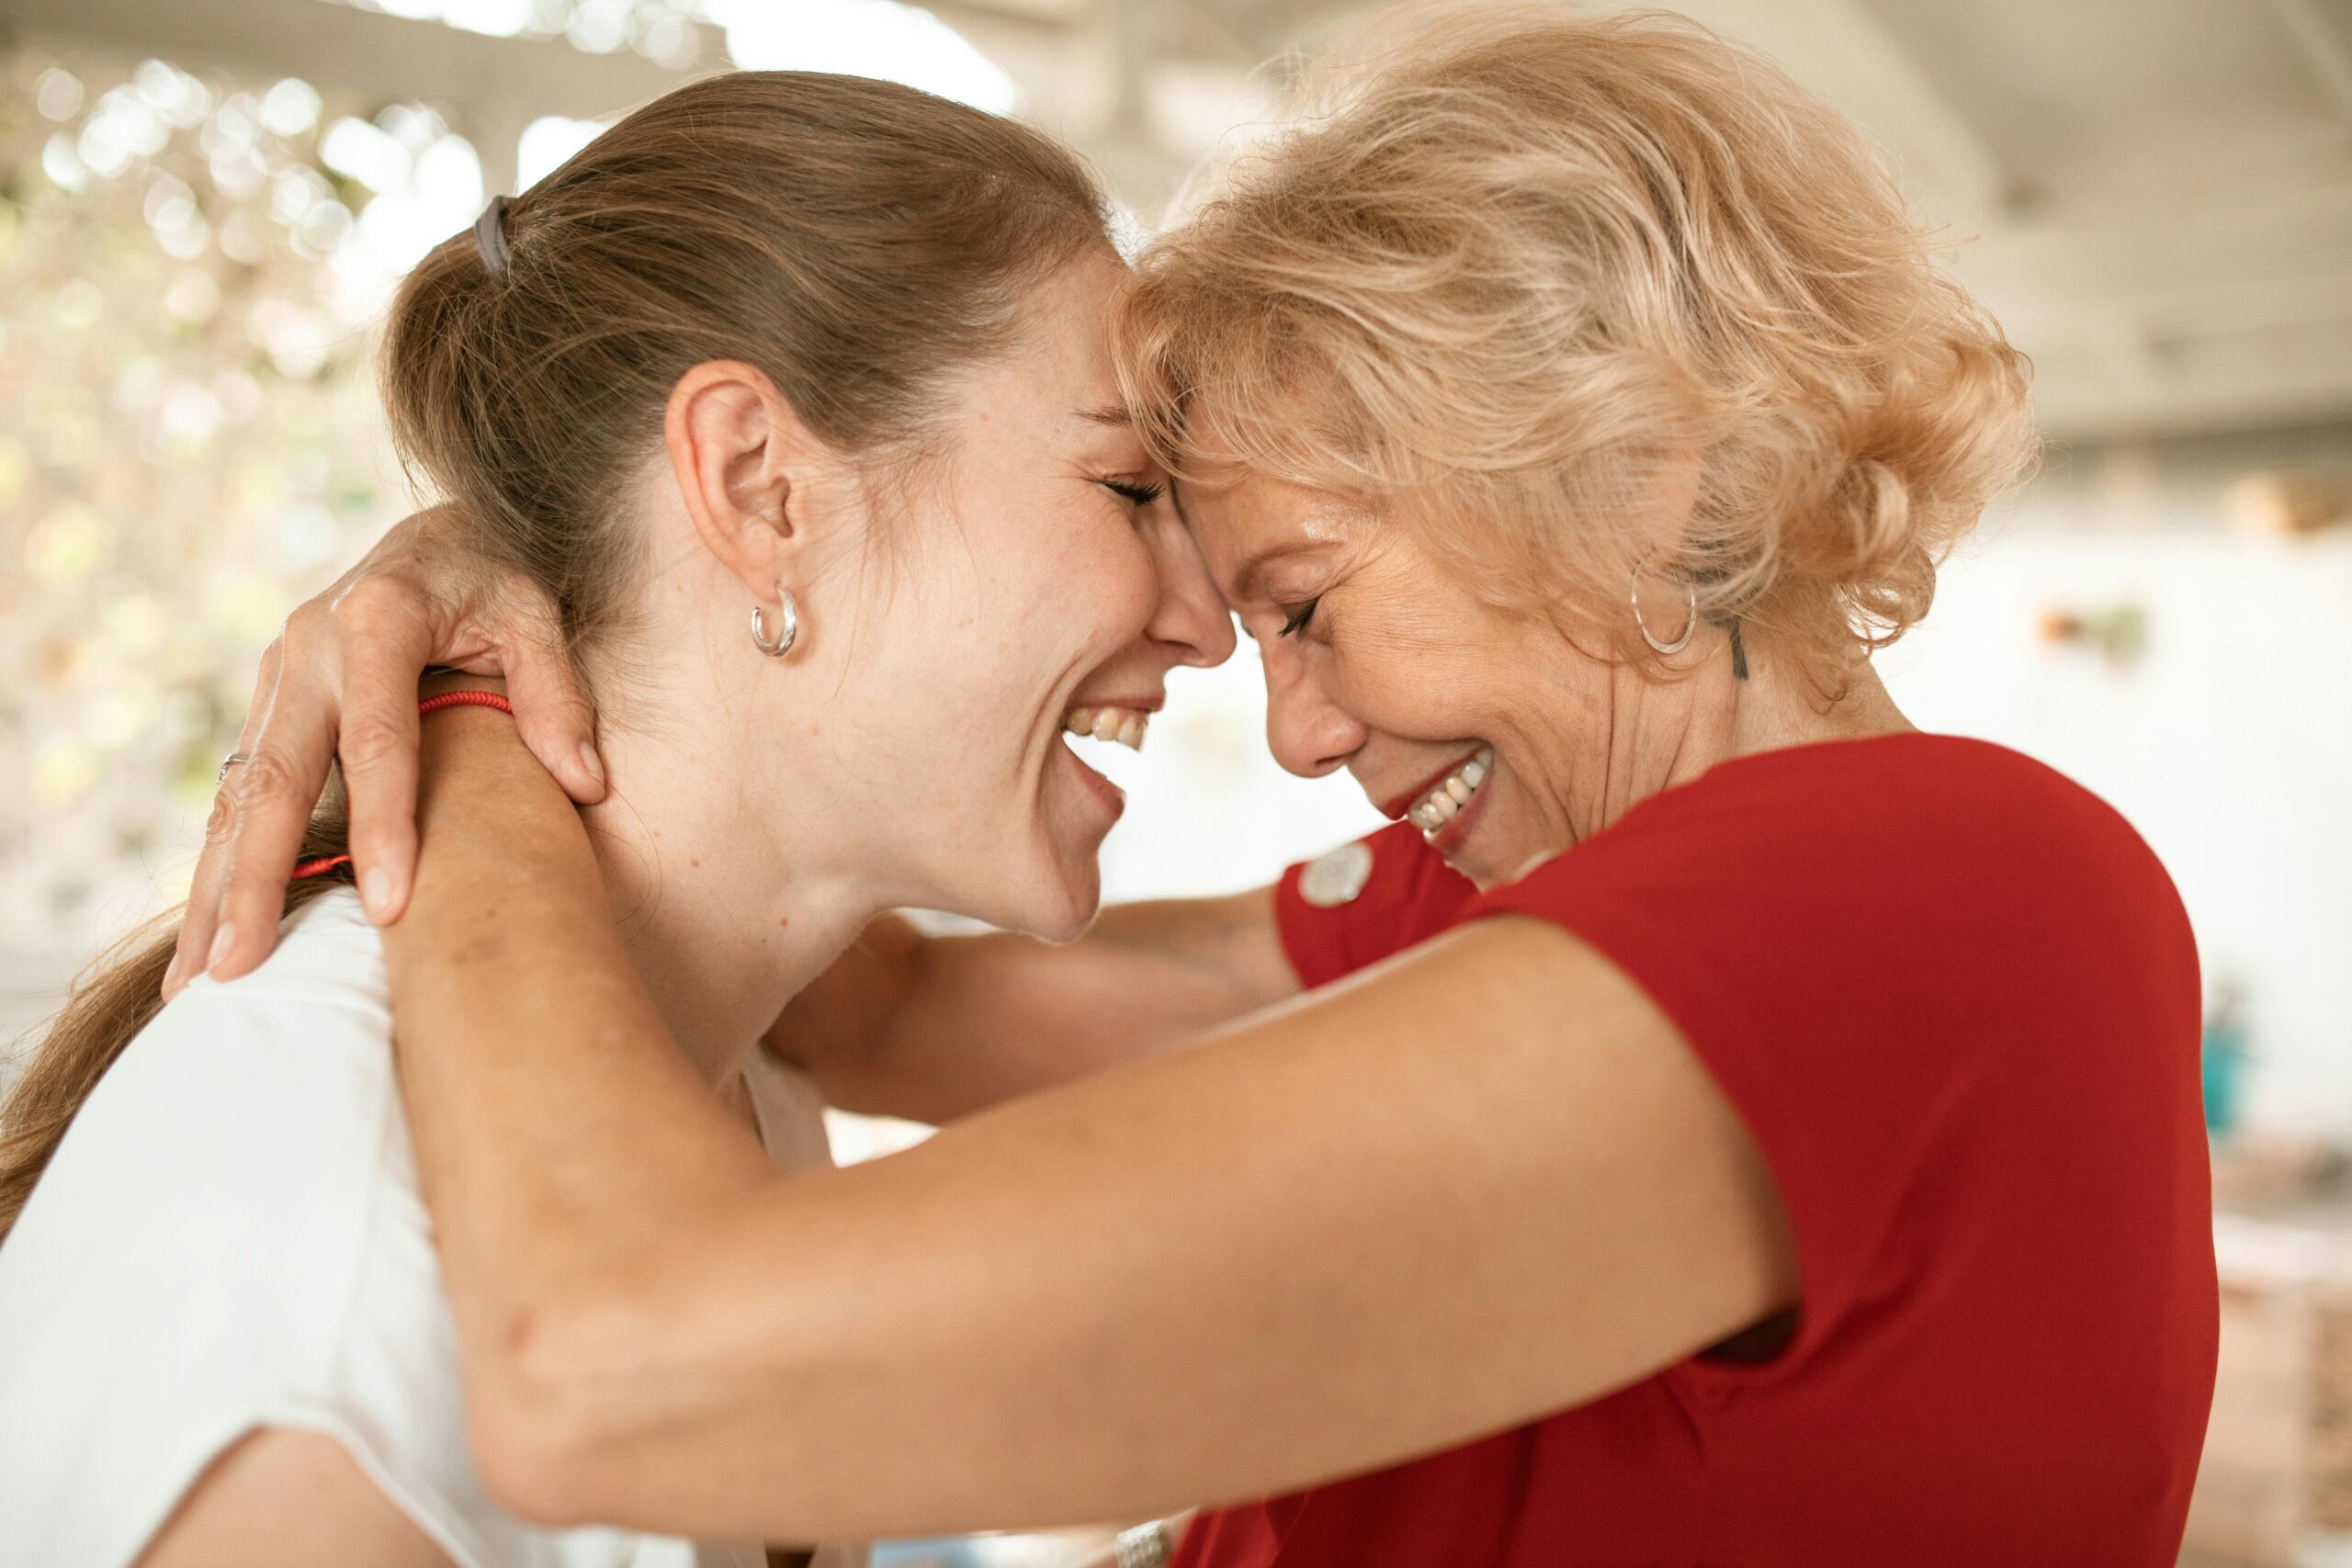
[(1954, 998)]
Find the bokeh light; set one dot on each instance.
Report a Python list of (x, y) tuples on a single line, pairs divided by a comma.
[(189, 442)]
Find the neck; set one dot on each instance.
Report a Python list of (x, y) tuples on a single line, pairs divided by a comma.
[(725, 921), (1669, 733)]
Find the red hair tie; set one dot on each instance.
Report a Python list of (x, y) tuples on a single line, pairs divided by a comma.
[(430, 705)]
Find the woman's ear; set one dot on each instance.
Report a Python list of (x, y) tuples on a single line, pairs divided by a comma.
[(747, 469)]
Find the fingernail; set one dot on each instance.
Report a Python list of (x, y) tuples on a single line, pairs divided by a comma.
[(221, 943), (172, 975), (588, 760), (376, 892)]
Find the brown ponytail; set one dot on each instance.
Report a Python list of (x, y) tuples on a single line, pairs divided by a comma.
[(857, 241)]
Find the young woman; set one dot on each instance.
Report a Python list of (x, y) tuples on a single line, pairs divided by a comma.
[(790, 397), (1731, 1126)]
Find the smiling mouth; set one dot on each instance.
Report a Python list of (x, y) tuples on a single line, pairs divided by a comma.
[(1439, 802), (1109, 722)]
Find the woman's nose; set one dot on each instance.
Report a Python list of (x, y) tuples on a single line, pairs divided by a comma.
[(1191, 623), (1308, 733)]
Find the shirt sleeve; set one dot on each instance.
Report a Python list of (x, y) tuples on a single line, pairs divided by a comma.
[(1950, 995), (182, 1270), (1364, 902)]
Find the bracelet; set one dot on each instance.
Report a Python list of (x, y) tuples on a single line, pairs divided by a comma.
[(459, 699)]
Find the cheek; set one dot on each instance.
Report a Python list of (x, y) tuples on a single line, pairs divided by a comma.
[(1131, 583), (1416, 674), (1400, 695), (1086, 589)]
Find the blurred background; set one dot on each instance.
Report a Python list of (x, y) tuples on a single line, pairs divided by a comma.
[(203, 204)]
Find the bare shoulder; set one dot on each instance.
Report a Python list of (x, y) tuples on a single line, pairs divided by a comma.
[(293, 1498)]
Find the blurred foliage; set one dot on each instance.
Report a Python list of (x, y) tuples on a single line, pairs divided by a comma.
[(189, 445)]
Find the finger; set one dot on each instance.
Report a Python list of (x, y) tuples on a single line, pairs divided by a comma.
[(269, 801), (386, 642), (552, 713), (202, 915)]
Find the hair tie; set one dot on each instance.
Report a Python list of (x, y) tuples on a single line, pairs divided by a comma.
[(490, 234)]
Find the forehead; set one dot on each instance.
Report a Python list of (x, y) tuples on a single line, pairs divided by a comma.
[(1245, 521), (1059, 371)]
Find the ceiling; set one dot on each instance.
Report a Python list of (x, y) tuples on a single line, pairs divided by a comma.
[(2156, 196)]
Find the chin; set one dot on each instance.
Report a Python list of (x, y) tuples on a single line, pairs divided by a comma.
[(1060, 880), (1053, 894), (1047, 883), (1065, 928), (1054, 915), (1068, 886), (1069, 903)]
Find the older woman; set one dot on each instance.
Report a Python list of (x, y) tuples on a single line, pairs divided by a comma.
[(1754, 1132)]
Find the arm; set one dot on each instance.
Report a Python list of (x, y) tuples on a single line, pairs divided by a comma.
[(280, 1498), (935, 1027), (1303, 1247), (339, 685)]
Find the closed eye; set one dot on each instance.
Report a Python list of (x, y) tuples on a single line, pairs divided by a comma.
[(1140, 494), (1300, 617)]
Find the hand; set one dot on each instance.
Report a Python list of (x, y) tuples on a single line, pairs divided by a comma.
[(340, 681)]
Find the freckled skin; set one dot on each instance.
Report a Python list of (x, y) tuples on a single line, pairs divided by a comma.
[(907, 751)]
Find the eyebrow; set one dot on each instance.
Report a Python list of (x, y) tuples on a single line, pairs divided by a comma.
[(1245, 577), (1112, 414)]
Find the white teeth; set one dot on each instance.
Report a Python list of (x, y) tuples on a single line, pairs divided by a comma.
[(1124, 726), (1437, 808)]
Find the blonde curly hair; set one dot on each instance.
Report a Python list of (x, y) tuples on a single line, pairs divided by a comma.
[(1568, 294)]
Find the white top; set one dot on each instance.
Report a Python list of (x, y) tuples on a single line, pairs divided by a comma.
[(230, 1236)]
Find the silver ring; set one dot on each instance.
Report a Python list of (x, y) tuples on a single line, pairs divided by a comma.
[(230, 760)]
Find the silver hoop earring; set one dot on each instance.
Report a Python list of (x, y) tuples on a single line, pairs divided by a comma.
[(1690, 612), (790, 618)]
